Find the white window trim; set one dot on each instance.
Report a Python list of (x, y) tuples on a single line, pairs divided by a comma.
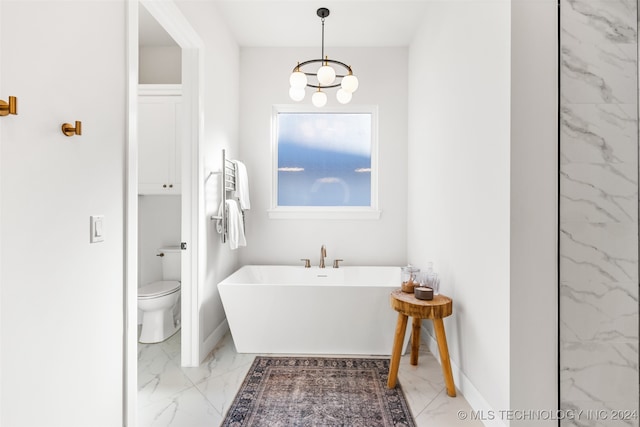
[(324, 212)]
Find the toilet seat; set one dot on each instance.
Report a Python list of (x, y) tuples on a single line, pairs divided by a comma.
[(158, 289)]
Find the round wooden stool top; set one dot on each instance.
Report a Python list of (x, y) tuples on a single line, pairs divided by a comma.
[(437, 308)]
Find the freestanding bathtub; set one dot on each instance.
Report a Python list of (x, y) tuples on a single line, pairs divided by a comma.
[(297, 310)]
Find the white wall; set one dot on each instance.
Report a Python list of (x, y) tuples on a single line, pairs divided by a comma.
[(534, 207), (382, 73), (160, 65), (62, 297), (158, 226), (220, 130), (459, 177), (485, 117)]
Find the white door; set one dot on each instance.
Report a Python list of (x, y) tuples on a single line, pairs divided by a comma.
[(61, 296)]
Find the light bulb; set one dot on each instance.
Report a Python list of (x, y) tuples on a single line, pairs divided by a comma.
[(343, 96), (326, 75), (296, 93), (298, 79), (319, 99), (350, 83)]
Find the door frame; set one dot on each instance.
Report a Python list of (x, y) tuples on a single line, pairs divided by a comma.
[(174, 22)]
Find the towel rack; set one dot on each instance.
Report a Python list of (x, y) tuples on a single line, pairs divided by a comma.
[(228, 183)]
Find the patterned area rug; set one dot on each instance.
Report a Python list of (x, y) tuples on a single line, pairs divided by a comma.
[(318, 391)]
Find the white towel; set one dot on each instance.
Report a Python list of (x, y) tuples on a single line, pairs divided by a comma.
[(235, 225), (242, 185)]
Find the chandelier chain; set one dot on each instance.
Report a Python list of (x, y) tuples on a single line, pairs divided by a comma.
[(322, 56)]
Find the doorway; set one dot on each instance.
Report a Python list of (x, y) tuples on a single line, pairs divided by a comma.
[(170, 18), (159, 158)]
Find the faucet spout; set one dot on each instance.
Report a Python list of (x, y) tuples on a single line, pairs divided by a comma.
[(323, 254)]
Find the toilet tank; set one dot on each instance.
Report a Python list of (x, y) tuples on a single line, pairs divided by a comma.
[(170, 262)]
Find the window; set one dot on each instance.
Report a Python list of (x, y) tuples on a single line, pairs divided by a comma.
[(325, 163)]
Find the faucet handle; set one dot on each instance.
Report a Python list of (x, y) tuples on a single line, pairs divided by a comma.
[(307, 262), (335, 263)]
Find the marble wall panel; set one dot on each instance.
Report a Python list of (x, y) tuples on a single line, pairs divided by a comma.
[(598, 51), (599, 371), (606, 252), (599, 211), (602, 312), (587, 413), (597, 133), (599, 192)]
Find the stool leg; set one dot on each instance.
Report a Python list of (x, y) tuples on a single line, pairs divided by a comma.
[(441, 337), (401, 327), (415, 340)]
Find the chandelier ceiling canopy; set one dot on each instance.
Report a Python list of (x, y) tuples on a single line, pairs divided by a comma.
[(307, 74)]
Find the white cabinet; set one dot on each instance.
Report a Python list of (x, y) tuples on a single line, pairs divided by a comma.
[(159, 108)]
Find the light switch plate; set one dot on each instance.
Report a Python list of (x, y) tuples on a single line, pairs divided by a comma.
[(97, 228)]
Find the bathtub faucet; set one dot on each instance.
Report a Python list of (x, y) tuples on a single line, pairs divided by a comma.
[(323, 253)]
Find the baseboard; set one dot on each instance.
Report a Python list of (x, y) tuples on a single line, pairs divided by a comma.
[(213, 339), (471, 394)]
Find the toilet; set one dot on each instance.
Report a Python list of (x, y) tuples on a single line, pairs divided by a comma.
[(159, 301)]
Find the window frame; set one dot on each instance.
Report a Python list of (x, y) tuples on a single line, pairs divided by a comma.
[(324, 212)]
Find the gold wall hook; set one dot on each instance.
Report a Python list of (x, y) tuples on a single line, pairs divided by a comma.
[(9, 108), (69, 130)]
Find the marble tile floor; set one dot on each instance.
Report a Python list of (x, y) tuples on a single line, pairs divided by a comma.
[(169, 395)]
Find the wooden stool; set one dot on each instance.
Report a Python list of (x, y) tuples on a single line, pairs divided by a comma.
[(406, 305)]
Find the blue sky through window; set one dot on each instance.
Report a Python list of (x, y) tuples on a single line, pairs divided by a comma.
[(324, 159)]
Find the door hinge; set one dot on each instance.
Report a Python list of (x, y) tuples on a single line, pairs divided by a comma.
[(183, 246)]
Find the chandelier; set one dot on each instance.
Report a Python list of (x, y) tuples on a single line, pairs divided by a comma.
[(325, 77)]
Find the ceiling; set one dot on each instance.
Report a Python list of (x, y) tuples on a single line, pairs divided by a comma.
[(294, 23), (150, 33)]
